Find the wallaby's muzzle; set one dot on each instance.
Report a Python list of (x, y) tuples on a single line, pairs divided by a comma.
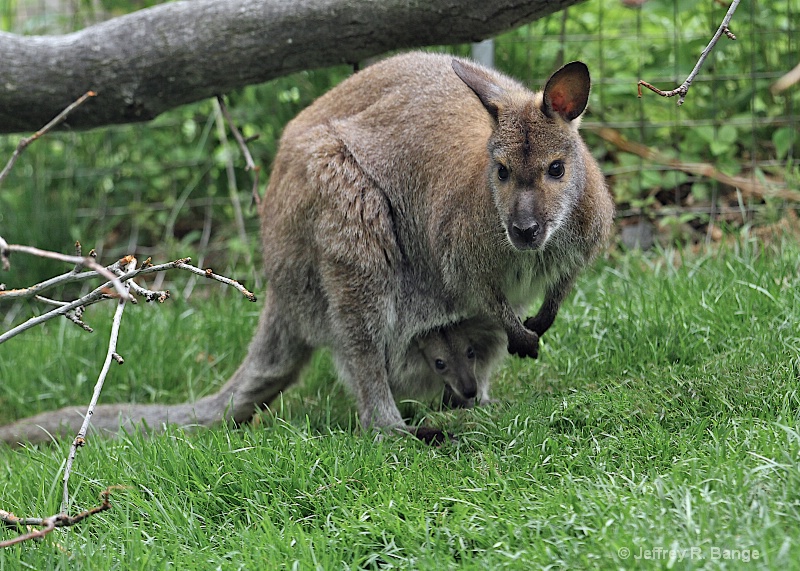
[(525, 236), (468, 389)]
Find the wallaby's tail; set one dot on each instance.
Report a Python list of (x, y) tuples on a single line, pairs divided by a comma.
[(108, 419), (274, 361)]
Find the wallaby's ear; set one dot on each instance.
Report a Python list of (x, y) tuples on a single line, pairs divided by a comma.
[(479, 81), (567, 91)]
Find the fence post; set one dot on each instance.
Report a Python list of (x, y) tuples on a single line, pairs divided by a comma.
[(483, 52)]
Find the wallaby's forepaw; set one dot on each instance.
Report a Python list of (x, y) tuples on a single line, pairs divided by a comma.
[(432, 436), (524, 343), (535, 325)]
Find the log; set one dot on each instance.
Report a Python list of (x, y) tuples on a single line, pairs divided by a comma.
[(155, 59)]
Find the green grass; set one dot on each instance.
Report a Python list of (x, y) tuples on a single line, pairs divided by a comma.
[(662, 414)]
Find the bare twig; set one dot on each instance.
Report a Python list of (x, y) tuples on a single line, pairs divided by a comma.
[(28, 140), (102, 292), (211, 275), (111, 354), (74, 316), (149, 295), (683, 89), (92, 297), (249, 163), (48, 524), (79, 261)]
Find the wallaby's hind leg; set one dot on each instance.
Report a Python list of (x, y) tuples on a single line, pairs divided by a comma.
[(274, 361)]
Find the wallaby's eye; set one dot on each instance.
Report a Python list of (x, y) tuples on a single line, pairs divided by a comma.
[(440, 365), (556, 169), (470, 353), (502, 172)]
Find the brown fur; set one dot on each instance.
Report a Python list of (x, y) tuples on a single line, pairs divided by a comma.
[(421, 192)]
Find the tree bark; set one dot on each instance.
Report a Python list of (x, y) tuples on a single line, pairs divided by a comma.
[(147, 62)]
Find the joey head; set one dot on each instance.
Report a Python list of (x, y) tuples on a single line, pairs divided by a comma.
[(452, 358), (460, 356)]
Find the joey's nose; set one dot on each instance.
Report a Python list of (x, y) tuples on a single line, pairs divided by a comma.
[(526, 234), (469, 392)]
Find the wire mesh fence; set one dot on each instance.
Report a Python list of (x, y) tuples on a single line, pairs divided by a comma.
[(728, 156)]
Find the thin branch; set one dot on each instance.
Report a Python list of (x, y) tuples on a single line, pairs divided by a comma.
[(91, 297), (683, 89), (102, 291), (28, 140), (48, 524), (74, 316), (249, 163), (49, 301), (79, 261), (149, 295), (211, 275), (38, 289), (80, 439)]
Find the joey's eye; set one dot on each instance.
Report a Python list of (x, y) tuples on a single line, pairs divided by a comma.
[(440, 365), (470, 353), (502, 172), (556, 169)]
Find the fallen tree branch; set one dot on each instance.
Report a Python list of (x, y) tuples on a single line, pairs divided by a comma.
[(683, 88), (48, 524), (748, 186)]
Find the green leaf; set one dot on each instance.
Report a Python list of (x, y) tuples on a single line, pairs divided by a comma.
[(783, 139), (727, 134)]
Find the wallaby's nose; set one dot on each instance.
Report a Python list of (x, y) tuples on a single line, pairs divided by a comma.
[(527, 234)]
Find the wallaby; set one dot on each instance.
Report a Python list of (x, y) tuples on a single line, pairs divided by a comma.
[(422, 191)]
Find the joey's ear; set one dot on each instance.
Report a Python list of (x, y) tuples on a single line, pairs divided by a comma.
[(481, 83), (567, 91)]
